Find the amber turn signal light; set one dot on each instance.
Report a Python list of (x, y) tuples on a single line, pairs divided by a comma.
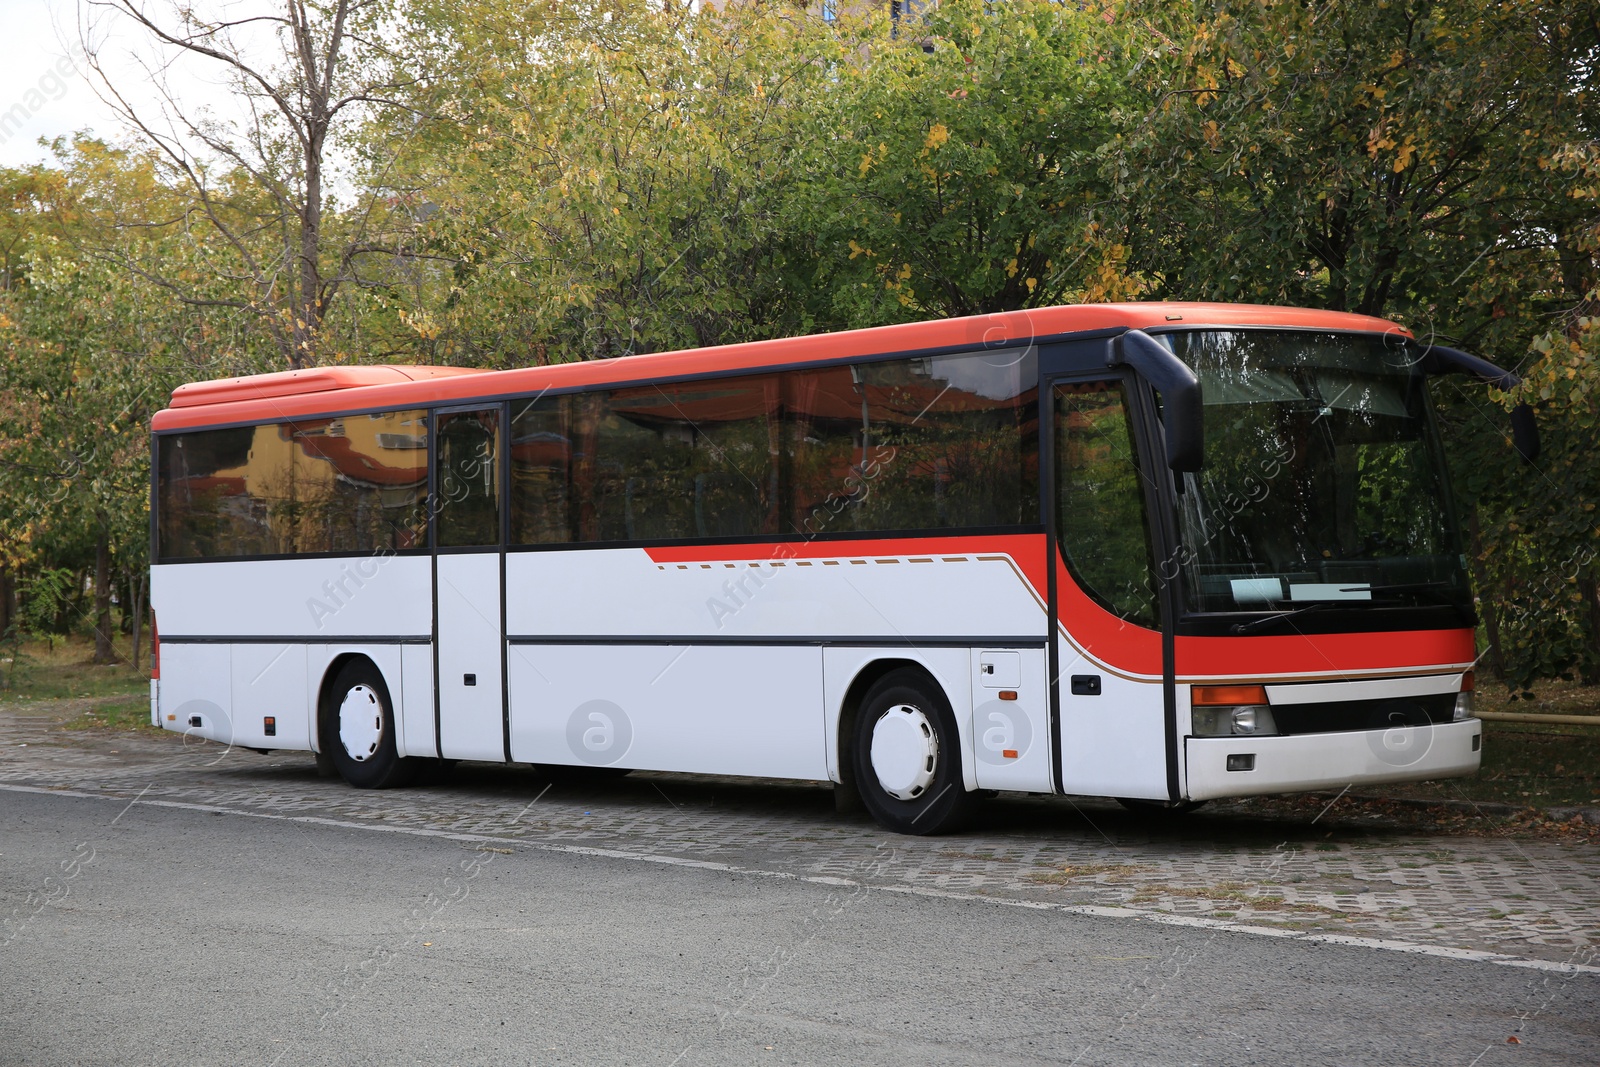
[(1216, 695)]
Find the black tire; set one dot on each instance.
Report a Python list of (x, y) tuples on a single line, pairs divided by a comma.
[(1159, 809), (920, 790), (362, 748)]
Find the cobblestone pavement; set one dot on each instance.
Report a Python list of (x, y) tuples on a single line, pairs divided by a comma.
[(1327, 872)]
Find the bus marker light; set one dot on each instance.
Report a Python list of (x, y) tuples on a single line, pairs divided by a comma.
[(1243, 761), (269, 725), (172, 718), (1009, 753), (1464, 703), (1213, 695), (1008, 694), (1468, 682)]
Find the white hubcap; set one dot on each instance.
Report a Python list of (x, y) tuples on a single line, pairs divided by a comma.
[(905, 752), (360, 722)]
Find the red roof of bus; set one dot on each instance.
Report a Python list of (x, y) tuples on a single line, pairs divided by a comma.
[(328, 390)]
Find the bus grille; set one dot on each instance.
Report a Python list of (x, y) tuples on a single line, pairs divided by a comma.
[(1363, 714)]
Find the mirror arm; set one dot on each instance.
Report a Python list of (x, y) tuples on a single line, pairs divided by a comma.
[(1180, 393), (1438, 359)]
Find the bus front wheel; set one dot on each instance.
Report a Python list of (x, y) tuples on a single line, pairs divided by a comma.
[(907, 757), (358, 730)]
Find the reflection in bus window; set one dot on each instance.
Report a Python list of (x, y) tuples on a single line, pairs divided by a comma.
[(469, 484), (947, 442), (351, 484), (1101, 503)]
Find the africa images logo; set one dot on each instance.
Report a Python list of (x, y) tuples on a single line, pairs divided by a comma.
[(1401, 733), (1003, 733), (599, 733)]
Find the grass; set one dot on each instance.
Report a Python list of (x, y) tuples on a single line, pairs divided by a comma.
[(1528, 764), (116, 715), (64, 672), (1535, 765)]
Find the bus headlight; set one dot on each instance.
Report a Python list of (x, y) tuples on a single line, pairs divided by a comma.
[(1463, 707), (1248, 721)]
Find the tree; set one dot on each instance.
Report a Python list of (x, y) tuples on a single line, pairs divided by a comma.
[(302, 72), (958, 165), (603, 180), (1383, 157), (1401, 159), (90, 352)]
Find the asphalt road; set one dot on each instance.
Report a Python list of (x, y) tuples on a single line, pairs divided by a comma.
[(159, 935)]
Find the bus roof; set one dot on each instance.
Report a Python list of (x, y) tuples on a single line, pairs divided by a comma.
[(332, 390)]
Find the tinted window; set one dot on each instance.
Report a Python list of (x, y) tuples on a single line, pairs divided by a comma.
[(944, 442), (1100, 508), (695, 459), (940, 443), (351, 484), (541, 471), (468, 508)]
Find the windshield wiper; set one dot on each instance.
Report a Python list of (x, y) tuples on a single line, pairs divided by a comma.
[(1402, 587), (1412, 587), (1283, 616)]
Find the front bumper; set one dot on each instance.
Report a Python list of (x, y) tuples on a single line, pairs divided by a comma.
[(1310, 762)]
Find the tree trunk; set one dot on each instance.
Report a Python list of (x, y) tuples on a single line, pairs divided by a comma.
[(1590, 666), (1487, 604), (8, 613), (124, 617), (138, 612), (103, 651)]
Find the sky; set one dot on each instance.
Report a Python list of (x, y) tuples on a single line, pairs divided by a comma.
[(45, 89)]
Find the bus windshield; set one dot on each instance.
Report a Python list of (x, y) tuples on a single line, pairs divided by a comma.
[(1323, 480)]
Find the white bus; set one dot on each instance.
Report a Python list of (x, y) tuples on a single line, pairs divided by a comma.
[(1157, 552)]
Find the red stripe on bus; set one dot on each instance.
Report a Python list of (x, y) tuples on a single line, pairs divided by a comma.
[(1026, 551), (1137, 650)]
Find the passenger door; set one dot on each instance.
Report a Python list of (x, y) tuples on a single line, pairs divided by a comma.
[(1106, 605), (469, 584)]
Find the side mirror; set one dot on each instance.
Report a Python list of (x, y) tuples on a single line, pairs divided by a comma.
[(1182, 411), (1525, 433), (1437, 359)]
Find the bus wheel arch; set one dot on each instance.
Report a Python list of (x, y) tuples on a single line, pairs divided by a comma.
[(356, 725), (896, 712)]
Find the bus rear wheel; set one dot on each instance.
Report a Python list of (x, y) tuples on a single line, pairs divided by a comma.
[(358, 730), (907, 757)]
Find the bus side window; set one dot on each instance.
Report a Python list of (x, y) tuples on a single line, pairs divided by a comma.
[(1100, 516), (542, 453), (469, 483), (936, 443)]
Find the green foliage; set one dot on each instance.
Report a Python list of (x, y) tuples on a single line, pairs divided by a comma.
[(1392, 158), (47, 597), (602, 181), (958, 165)]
